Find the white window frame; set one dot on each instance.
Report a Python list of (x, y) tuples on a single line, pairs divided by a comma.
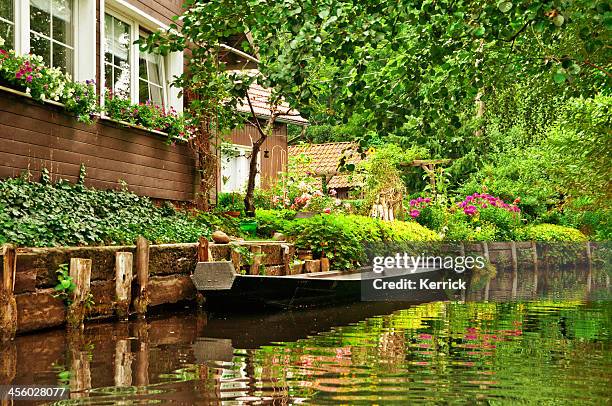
[(172, 64), (84, 44)]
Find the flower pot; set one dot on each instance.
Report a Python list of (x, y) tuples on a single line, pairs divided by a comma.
[(249, 227), (234, 214)]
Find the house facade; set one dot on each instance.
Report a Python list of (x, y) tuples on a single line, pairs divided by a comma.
[(94, 39)]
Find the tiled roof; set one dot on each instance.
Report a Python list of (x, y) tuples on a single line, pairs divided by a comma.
[(345, 181), (259, 99), (325, 158)]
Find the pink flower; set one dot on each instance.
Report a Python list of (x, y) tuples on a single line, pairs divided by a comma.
[(327, 210), (332, 192), (414, 213)]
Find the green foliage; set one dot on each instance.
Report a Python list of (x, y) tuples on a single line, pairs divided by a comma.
[(178, 127), (232, 201), (550, 232), (45, 214), (66, 285), (341, 237), (332, 237), (581, 142), (271, 221)]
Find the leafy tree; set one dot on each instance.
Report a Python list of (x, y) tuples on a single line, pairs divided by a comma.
[(422, 69)]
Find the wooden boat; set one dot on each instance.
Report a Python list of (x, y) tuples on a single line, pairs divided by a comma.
[(224, 289)]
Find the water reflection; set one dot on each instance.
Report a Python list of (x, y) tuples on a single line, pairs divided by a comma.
[(550, 344)]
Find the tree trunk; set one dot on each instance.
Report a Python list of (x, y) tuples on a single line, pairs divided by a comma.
[(249, 202)]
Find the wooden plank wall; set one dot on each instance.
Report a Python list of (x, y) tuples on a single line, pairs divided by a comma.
[(33, 136), (276, 145)]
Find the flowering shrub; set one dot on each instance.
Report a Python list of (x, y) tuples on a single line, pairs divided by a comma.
[(416, 205), (28, 73), (472, 202), (150, 116)]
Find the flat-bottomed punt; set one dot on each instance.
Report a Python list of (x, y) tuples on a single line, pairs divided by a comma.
[(225, 289)]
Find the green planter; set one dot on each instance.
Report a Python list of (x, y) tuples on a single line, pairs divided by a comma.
[(249, 227)]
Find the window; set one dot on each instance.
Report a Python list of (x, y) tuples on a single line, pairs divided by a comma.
[(117, 55), (7, 23), (52, 33), (151, 78), (129, 72)]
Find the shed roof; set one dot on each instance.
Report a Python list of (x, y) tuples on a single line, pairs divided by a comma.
[(259, 99), (325, 158)]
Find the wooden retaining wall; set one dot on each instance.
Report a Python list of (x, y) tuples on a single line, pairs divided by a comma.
[(169, 267)]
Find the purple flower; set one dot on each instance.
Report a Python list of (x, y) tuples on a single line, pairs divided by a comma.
[(414, 213), (413, 202), (29, 78), (470, 210), (427, 200)]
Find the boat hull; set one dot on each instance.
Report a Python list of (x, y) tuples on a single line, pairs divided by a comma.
[(252, 292)]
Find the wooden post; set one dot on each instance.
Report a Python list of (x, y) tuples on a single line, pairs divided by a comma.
[(80, 370), (312, 265), (80, 272), (286, 259), (485, 250), (123, 363), (514, 269), (324, 264), (236, 259), (590, 266), (8, 306), (8, 364), (123, 283), (142, 275), (203, 250), (141, 332), (256, 251), (534, 256)]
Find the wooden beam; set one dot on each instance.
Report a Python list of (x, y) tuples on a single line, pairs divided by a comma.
[(123, 283), (80, 272), (8, 305), (142, 275)]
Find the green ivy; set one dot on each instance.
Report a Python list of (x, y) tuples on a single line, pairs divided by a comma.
[(55, 214)]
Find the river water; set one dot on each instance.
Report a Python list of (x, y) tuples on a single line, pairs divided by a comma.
[(552, 346)]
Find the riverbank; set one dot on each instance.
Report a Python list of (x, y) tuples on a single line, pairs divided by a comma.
[(165, 277)]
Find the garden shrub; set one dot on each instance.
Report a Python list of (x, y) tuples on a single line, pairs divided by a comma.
[(271, 221), (46, 214), (230, 202), (550, 232), (341, 237)]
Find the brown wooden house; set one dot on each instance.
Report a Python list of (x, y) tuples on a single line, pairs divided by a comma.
[(93, 39)]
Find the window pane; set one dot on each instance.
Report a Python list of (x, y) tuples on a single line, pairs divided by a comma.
[(121, 41), (122, 82), (6, 32), (143, 91), (108, 39), (156, 95), (42, 47), (62, 21), (155, 71), (7, 10), (108, 76), (40, 16), (62, 58)]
